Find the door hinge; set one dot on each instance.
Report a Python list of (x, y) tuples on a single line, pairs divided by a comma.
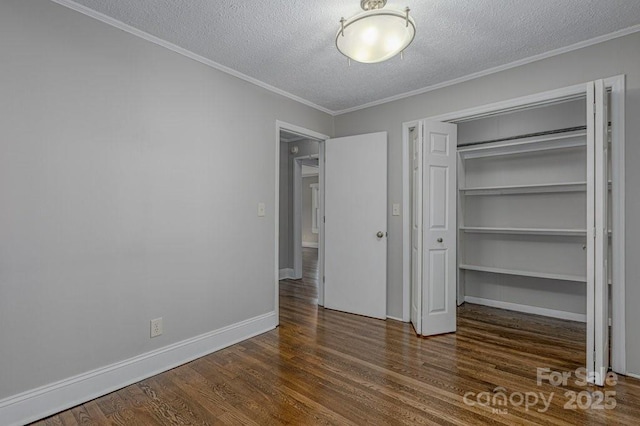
[(610, 322), (324, 219)]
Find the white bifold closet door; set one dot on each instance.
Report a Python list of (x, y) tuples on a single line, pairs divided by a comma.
[(416, 230), (437, 181), (597, 234)]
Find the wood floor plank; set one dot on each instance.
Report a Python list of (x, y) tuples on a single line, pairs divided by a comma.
[(327, 367), (94, 414), (309, 380)]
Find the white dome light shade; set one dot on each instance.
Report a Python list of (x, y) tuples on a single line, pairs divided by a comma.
[(376, 35)]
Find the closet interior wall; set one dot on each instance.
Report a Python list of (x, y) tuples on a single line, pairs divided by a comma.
[(522, 215)]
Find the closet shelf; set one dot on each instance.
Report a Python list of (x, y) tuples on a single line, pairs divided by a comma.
[(525, 231), (527, 189), (571, 140), (562, 277), (541, 188)]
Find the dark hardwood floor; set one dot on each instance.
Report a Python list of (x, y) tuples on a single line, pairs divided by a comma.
[(328, 367)]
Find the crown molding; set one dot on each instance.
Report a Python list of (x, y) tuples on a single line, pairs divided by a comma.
[(177, 49), (520, 62)]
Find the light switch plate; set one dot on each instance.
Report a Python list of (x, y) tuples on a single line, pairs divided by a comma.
[(261, 210), (396, 210)]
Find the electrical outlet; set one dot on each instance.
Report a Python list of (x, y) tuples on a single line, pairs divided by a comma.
[(156, 327), (261, 210)]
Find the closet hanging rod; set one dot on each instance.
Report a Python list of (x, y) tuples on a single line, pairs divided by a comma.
[(528, 135)]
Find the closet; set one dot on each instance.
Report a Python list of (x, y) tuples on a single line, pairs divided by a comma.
[(522, 210), (539, 228)]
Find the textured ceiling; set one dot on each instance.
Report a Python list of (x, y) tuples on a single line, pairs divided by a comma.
[(289, 44)]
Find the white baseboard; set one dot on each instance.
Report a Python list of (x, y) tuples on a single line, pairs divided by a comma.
[(309, 244), (44, 401), (287, 274), (572, 316), (634, 375), (394, 318)]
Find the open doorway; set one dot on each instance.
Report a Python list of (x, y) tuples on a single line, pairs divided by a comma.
[(306, 208), (306, 195), (299, 201), (298, 170), (350, 216)]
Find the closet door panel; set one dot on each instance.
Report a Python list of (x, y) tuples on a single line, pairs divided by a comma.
[(439, 212), (416, 231), (439, 240), (438, 272)]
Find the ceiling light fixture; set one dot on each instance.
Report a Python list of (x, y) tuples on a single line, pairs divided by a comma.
[(376, 34)]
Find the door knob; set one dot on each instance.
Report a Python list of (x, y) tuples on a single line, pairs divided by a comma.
[(380, 234), (439, 240)]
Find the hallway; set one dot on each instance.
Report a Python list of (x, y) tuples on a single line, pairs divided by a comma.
[(305, 289)]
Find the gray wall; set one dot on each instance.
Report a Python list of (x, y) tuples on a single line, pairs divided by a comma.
[(619, 56), (305, 147), (129, 180), (307, 235)]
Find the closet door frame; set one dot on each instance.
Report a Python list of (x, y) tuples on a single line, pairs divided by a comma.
[(616, 86)]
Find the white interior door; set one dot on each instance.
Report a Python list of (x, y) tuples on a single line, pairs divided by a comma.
[(416, 230), (439, 239), (598, 237), (355, 213)]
